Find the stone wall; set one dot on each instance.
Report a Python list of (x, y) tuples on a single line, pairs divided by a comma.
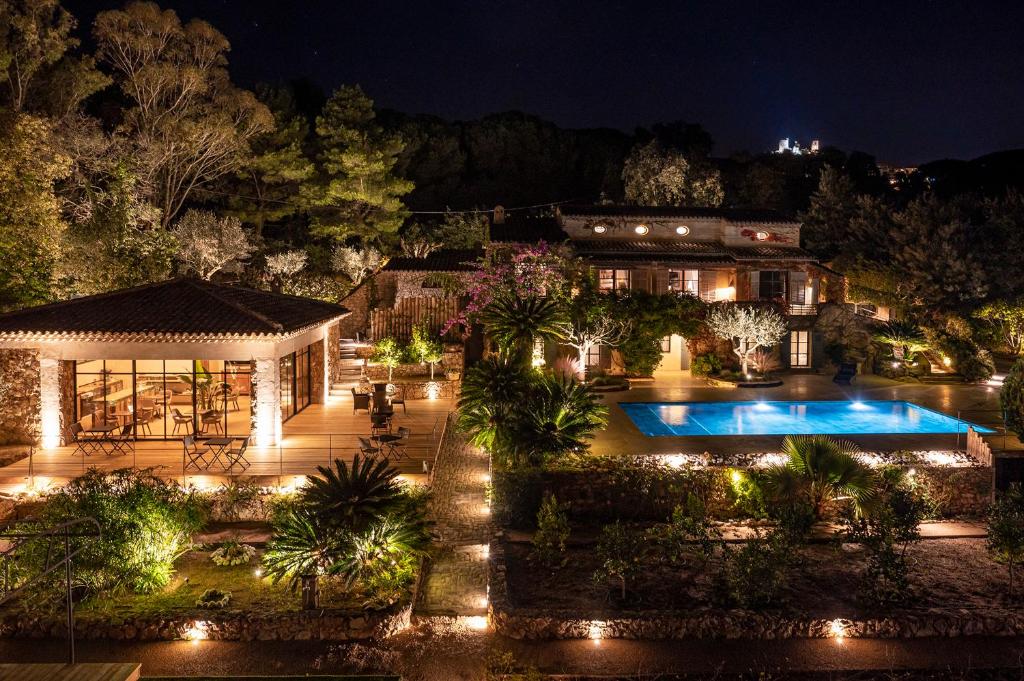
[(316, 372), (334, 352), (419, 390), (558, 624), (595, 495), (320, 625), (359, 303), (19, 396), (839, 324)]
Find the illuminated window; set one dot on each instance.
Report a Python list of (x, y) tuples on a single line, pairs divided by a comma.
[(799, 349), (771, 285), (594, 356), (613, 280), (684, 281), (666, 344)]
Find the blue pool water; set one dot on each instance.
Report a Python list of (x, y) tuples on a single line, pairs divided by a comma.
[(789, 418)]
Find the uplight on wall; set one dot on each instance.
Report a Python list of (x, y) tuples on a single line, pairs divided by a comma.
[(600, 229), (682, 230), (641, 229), (761, 236)]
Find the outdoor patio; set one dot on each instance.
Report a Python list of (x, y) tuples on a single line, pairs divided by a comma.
[(314, 437), (973, 403)]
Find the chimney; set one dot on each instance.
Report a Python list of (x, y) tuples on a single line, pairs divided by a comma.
[(499, 215)]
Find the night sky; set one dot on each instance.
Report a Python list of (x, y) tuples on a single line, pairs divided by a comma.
[(908, 81)]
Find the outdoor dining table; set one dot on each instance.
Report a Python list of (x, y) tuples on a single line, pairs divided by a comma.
[(100, 436), (218, 446)]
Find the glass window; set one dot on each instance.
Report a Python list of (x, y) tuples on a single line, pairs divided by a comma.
[(799, 349), (594, 356), (613, 280), (666, 344), (772, 285)]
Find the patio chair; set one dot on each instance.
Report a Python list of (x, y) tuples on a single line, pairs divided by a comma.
[(236, 455), (366, 448), (193, 455), (180, 420), (380, 423), (399, 398), (84, 444), (845, 375), (210, 418), (396, 448), (122, 442), (360, 401)]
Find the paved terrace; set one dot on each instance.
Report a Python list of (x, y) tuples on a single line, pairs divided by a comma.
[(975, 403), (314, 437)]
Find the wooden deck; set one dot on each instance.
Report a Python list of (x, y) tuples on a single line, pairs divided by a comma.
[(103, 671), (314, 437)]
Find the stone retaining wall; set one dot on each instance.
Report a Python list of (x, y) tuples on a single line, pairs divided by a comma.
[(419, 390), (556, 624), (219, 626)]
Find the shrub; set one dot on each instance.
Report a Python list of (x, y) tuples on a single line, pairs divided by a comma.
[(887, 530), (213, 599), (146, 522), (969, 360), (753, 575), (620, 550), (1006, 530), (235, 498), (688, 535), (232, 553), (1011, 398), (552, 531), (388, 352), (707, 364)]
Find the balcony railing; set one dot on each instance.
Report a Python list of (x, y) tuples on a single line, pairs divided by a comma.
[(802, 309)]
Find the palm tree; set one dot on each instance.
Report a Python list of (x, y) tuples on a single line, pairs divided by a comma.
[(382, 548), (819, 469), (303, 548), (491, 392), (353, 497), (906, 336), (515, 322), (562, 414)]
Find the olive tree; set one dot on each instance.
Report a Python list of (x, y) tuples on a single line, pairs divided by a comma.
[(749, 328)]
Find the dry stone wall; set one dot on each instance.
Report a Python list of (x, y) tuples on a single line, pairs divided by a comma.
[(19, 396)]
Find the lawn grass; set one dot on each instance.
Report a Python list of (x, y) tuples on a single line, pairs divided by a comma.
[(195, 573)]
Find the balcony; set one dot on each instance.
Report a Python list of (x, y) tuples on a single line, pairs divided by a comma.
[(802, 309)]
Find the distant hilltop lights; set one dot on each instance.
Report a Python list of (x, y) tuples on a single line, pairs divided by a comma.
[(795, 148)]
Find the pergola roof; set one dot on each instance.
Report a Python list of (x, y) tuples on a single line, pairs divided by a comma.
[(174, 309)]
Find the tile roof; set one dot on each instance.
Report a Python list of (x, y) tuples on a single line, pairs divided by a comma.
[(444, 260), (173, 308), (733, 214), (528, 229)]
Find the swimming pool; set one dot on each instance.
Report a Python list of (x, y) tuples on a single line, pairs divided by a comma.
[(790, 418)]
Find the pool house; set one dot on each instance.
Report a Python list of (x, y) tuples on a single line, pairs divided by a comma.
[(172, 358)]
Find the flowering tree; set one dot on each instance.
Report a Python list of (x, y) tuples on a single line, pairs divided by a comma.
[(749, 328), (538, 270), (209, 244)]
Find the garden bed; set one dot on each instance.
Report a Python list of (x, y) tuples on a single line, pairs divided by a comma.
[(957, 589), (258, 609)]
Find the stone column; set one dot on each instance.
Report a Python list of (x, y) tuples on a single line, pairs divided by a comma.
[(49, 403), (266, 416)]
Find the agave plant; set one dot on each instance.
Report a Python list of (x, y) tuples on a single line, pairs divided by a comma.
[(353, 497), (562, 414), (906, 336), (819, 469), (514, 322)]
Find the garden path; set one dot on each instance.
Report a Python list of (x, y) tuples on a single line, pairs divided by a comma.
[(456, 580)]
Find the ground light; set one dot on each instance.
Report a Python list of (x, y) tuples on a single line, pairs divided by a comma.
[(476, 622), (199, 631), (837, 630), (596, 632)]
